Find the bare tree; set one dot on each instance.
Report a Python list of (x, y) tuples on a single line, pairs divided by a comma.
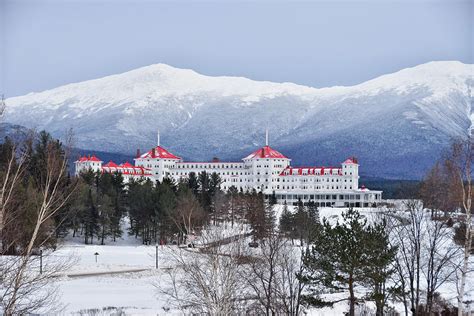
[(438, 192), (289, 285), (459, 163), (426, 258), (188, 214), (220, 202), (262, 275), (207, 282), (11, 175), (273, 277), (20, 284), (407, 233), (442, 260), (35, 292)]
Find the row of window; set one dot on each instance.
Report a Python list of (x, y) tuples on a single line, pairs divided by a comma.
[(336, 197), (209, 166), (306, 187)]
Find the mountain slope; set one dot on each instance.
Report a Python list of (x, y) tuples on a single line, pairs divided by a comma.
[(389, 122)]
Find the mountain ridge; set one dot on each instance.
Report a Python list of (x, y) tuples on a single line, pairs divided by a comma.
[(412, 113)]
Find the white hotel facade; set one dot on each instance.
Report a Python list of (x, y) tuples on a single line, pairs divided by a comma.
[(265, 170)]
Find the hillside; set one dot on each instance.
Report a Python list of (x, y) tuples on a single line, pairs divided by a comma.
[(397, 124)]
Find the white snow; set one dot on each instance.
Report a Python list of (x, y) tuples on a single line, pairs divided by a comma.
[(132, 105), (134, 292)]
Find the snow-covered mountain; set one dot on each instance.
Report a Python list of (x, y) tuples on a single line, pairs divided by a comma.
[(396, 124)]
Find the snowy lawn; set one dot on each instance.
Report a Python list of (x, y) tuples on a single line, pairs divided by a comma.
[(133, 291)]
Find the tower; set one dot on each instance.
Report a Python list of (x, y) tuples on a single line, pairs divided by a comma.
[(350, 170), (265, 166), (158, 160)]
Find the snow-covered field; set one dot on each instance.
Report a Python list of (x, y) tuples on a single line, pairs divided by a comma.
[(122, 279), (132, 292), (124, 275)]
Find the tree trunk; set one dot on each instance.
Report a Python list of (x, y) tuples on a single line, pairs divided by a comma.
[(102, 235), (467, 252), (351, 297)]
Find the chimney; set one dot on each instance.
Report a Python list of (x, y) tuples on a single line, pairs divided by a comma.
[(215, 159), (138, 152), (153, 153)]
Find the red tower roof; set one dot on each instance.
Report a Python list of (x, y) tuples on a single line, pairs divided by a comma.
[(111, 164), (159, 152), (127, 165), (95, 159), (89, 158), (351, 160), (266, 152)]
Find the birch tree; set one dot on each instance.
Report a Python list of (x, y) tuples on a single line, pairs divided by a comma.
[(20, 283), (207, 282), (459, 163)]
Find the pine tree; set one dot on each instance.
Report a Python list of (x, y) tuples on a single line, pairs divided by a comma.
[(286, 222), (105, 210), (118, 205), (259, 215), (205, 197), (272, 200), (90, 216), (347, 254), (166, 206), (380, 256), (214, 184), (193, 183)]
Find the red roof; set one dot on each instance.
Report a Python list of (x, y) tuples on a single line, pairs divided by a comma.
[(89, 158), (111, 164), (125, 169), (159, 152), (266, 152), (94, 158), (351, 160)]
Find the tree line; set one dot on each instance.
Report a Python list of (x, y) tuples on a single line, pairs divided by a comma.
[(158, 212), (34, 189)]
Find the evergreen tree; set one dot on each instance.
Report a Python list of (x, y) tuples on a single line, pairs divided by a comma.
[(105, 209), (234, 198), (313, 212), (347, 254), (166, 205), (205, 196), (287, 222), (214, 184), (259, 215), (380, 256), (170, 183), (272, 200), (118, 205), (90, 216), (142, 205), (193, 183)]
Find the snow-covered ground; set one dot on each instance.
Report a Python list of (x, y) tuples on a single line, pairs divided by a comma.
[(86, 288)]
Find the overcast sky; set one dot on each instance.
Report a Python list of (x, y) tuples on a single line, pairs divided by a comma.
[(45, 44)]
